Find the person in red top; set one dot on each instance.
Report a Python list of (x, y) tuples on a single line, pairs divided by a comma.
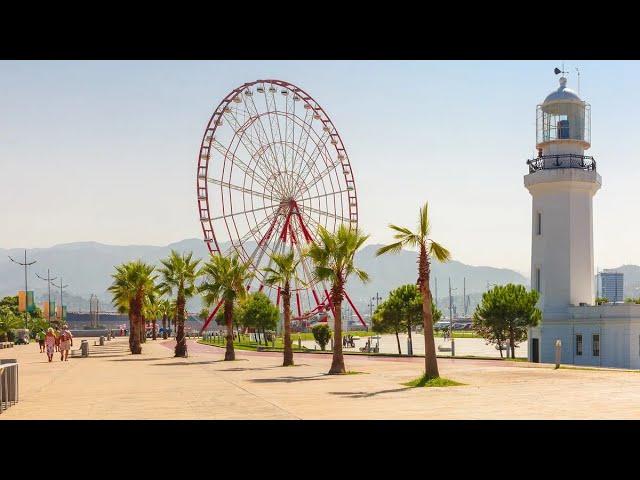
[(66, 342)]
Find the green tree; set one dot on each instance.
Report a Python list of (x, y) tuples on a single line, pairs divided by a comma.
[(427, 249), (409, 302), (37, 324), (258, 312), (333, 256), (321, 334), (8, 322), (387, 318), (179, 275), (11, 302), (238, 317), (132, 283), (226, 279), (281, 275), (506, 313)]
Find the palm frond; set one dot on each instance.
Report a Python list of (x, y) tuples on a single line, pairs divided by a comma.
[(392, 248), (438, 251)]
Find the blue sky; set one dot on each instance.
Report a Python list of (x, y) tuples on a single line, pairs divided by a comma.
[(106, 150)]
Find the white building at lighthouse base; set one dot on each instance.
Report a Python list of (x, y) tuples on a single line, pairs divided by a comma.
[(601, 336)]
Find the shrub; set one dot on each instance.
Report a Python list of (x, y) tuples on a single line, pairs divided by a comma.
[(321, 333)]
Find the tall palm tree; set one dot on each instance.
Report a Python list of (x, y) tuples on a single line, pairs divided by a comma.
[(152, 311), (333, 256), (225, 278), (178, 274), (132, 283), (166, 311), (428, 248), (282, 274)]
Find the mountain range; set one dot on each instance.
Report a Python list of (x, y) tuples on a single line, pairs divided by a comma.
[(87, 267)]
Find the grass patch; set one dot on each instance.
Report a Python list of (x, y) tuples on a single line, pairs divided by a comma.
[(252, 346), (353, 372), (517, 359), (424, 381)]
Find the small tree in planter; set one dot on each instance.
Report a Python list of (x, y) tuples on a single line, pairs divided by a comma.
[(321, 334)]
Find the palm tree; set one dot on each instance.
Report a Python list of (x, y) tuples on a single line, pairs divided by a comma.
[(428, 248), (333, 256), (281, 275), (165, 310), (132, 283), (179, 274), (226, 278), (152, 310)]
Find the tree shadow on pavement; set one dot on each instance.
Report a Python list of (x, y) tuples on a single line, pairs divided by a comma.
[(369, 394), (135, 358), (207, 362), (289, 379), (242, 369)]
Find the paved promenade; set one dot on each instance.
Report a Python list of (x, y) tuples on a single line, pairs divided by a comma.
[(111, 384)]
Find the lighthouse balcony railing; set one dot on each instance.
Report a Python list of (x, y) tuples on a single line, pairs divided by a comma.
[(566, 160)]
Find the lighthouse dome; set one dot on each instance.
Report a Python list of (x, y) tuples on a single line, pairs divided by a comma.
[(562, 94)]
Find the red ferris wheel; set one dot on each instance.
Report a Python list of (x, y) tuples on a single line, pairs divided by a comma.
[(272, 169)]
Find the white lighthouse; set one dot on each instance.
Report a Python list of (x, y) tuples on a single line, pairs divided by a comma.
[(562, 181)]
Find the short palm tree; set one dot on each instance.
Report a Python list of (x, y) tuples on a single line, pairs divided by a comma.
[(179, 273), (281, 275), (166, 311), (132, 283), (226, 279), (427, 248), (333, 255), (152, 311)]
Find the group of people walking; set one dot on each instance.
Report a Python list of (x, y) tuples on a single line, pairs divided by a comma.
[(56, 341)]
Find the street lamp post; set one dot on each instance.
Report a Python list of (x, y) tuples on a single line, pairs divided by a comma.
[(61, 300), (49, 282), (453, 344), (377, 299), (26, 287)]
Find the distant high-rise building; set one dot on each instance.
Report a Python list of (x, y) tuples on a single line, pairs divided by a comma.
[(612, 286)]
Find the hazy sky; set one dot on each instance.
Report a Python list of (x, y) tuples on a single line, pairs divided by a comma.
[(106, 151)]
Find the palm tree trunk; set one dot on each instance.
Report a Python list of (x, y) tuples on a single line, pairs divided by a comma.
[(132, 325), (164, 327), (286, 305), (337, 364), (181, 341), (153, 332), (229, 353), (410, 352), (430, 360), (135, 315), (143, 329)]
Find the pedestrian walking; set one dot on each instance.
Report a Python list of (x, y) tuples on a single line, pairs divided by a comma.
[(66, 342), (50, 343), (57, 334), (41, 336)]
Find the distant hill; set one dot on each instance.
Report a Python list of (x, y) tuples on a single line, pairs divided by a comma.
[(87, 268)]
